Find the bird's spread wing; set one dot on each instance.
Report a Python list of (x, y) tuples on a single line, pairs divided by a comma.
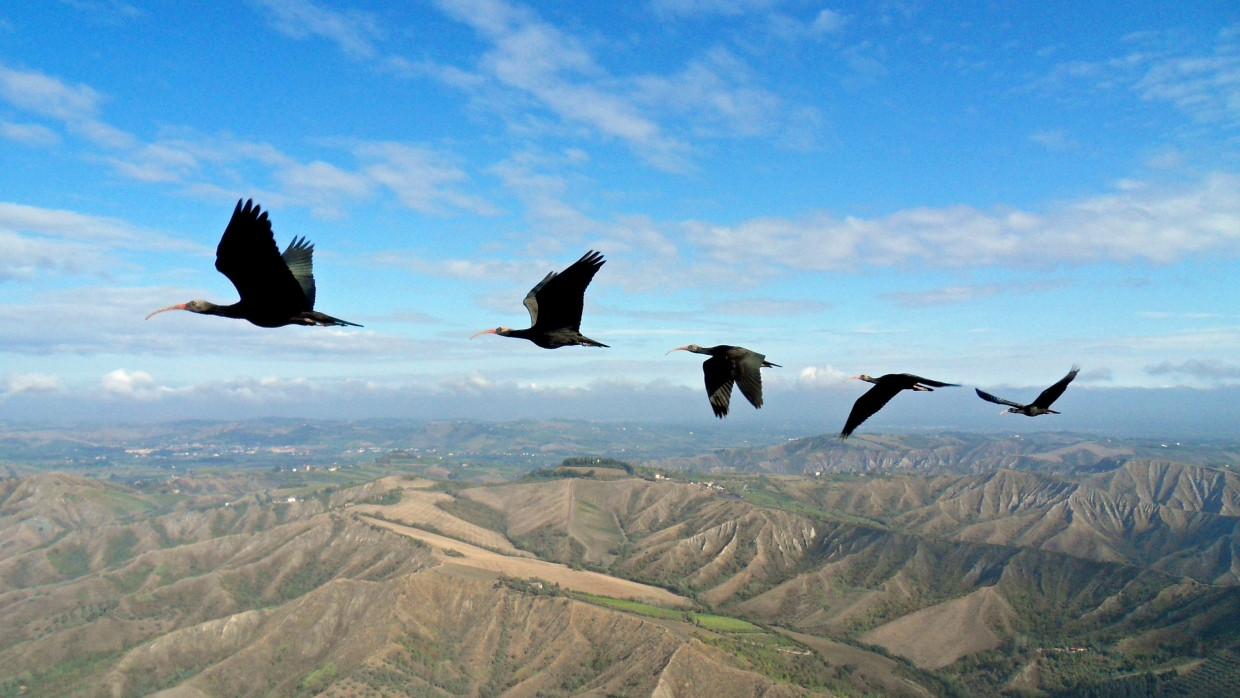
[(997, 400), (531, 298), (718, 372), (248, 256), (868, 404), (299, 258), (1052, 393), (747, 370), (556, 302)]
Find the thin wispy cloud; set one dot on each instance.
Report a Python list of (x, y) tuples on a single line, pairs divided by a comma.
[(1159, 67), (964, 293), (1210, 371), (353, 32), (1151, 224), (30, 134), (29, 383), (74, 107)]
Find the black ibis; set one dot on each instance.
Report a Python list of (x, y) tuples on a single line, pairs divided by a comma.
[(885, 388), (555, 307), (276, 289), (1042, 405), (728, 365)]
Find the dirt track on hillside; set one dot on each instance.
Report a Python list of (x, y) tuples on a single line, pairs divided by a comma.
[(528, 568)]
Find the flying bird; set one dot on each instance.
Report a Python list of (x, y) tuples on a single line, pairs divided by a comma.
[(885, 388), (1042, 405), (728, 365), (276, 289), (555, 307)]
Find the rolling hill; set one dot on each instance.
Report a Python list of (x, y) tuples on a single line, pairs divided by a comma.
[(880, 576)]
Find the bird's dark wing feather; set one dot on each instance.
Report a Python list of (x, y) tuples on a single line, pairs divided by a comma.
[(747, 370), (997, 400), (927, 381), (556, 302), (531, 298), (1052, 393), (718, 373), (248, 256), (869, 403), (299, 256)]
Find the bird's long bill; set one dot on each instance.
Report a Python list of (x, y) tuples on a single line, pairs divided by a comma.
[(482, 333), (684, 348), (178, 306)]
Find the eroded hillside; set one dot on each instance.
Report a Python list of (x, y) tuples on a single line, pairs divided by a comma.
[(975, 583)]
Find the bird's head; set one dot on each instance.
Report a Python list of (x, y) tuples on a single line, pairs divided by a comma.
[(192, 306), (501, 331), (688, 347), (862, 377)]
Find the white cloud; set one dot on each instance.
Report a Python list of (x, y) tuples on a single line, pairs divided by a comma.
[(538, 59), (1204, 86), (821, 377), (421, 178), (31, 134), (1153, 224), (716, 95), (133, 384), (19, 383), (34, 240), (472, 383), (321, 185), (966, 292), (76, 106), (354, 32)]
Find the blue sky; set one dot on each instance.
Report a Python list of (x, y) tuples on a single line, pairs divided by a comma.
[(983, 195)]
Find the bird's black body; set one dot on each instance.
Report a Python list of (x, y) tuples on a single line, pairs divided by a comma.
[(730, 365), (276, 289), (555, 305), (1042, 405), (885, 388)]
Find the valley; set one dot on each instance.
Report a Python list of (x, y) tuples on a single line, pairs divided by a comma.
[(896, 566)]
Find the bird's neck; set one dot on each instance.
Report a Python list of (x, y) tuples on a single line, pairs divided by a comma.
[(233, 311), (519, 334)]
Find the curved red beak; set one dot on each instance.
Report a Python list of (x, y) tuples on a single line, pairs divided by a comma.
[(178, 306)]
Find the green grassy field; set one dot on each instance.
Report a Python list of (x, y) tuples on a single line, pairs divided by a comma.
[(707, 621)]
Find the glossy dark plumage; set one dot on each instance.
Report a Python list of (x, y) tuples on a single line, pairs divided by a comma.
[(555, 305), (1042, 405), (730, 365), (885, 388), (275, 289)]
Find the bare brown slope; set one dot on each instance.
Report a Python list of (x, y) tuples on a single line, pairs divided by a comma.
[(1173, 517), (427, 633), (676, 532), (164, 590), (939, 635)]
